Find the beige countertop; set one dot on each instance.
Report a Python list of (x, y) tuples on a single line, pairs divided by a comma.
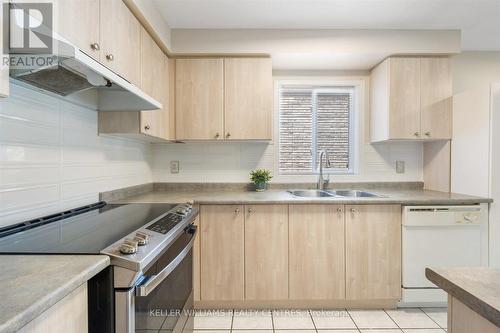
[(478, 288), (31, 284), (279, 196)]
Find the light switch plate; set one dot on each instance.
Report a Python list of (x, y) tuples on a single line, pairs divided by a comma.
[(400, 166), (174, 166)]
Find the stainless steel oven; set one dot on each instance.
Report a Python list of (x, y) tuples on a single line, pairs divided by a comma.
[(149, 283), (162, 297)]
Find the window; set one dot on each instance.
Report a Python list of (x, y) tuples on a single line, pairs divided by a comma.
[(315, 118)]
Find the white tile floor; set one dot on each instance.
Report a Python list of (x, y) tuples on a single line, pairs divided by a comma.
[(414, 320)]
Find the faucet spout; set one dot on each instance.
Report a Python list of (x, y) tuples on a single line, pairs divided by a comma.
[(321, 180)]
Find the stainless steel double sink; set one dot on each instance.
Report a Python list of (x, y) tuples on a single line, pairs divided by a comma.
[(333, 194)]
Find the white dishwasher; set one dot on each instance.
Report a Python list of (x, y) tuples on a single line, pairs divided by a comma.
[(440, 236)]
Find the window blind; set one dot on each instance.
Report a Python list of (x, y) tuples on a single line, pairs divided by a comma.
[(295, 147), (314, 119)]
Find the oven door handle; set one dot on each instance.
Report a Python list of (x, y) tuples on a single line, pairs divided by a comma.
[(154, 280)]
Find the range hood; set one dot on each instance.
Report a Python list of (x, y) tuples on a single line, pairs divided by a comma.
[(71, 73)]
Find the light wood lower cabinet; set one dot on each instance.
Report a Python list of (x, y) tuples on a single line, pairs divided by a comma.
[(222, 252), (266, 252), (373, 252), (316, 252), (68, 315), (461, 319), (308, 255)]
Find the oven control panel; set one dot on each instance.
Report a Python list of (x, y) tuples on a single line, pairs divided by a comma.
[(165, 224), (136, 249)]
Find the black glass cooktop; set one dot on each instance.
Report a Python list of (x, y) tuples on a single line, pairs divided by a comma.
[(86, 230)]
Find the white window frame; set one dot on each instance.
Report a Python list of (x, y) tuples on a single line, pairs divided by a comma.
[(355, 135)]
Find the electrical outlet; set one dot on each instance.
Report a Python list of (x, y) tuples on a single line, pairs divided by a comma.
[(174, 166), (400, 166)]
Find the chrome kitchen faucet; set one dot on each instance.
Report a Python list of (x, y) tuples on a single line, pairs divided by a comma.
[(321, 181)]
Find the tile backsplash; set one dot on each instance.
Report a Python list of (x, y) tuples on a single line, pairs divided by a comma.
[(232, 162), (51, 157)]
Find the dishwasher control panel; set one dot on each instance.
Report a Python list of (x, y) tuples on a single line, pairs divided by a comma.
[(441, 215)]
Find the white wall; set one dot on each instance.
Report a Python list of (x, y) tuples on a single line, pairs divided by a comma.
[(319, 49), (475, 135), (51, 157), (232, 162), (150, 12)]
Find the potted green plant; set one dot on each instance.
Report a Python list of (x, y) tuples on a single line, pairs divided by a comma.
[(260, 178)]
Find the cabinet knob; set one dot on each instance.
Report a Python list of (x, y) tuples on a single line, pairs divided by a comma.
[(95, 46), (147, 127), (228, 135), (353, 210), (416, 134), (427, 133), (339, 210), (110, 57), (237, 210), (250, 210), (217, 135)]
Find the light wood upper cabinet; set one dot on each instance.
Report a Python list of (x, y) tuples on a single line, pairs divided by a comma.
[(199, 99), (436, 97), (411, 99), (155, 83), (4, 69), (224, 99), (248, 98), (404, 98), (266, 252), (152, 64), (316, 255), (373, 252), (78, 22), (120, 40), (222, 252)]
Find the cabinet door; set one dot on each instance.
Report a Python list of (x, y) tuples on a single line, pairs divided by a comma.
[(404, 98), (167, 133), (373, 252), (4, 69), (120, 40), (171, 98), (154, 82), (266, 252), (199, 99), (70, 314), (248, 97), (222, 252), (78, 22), (316, 252), (436, 97)]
